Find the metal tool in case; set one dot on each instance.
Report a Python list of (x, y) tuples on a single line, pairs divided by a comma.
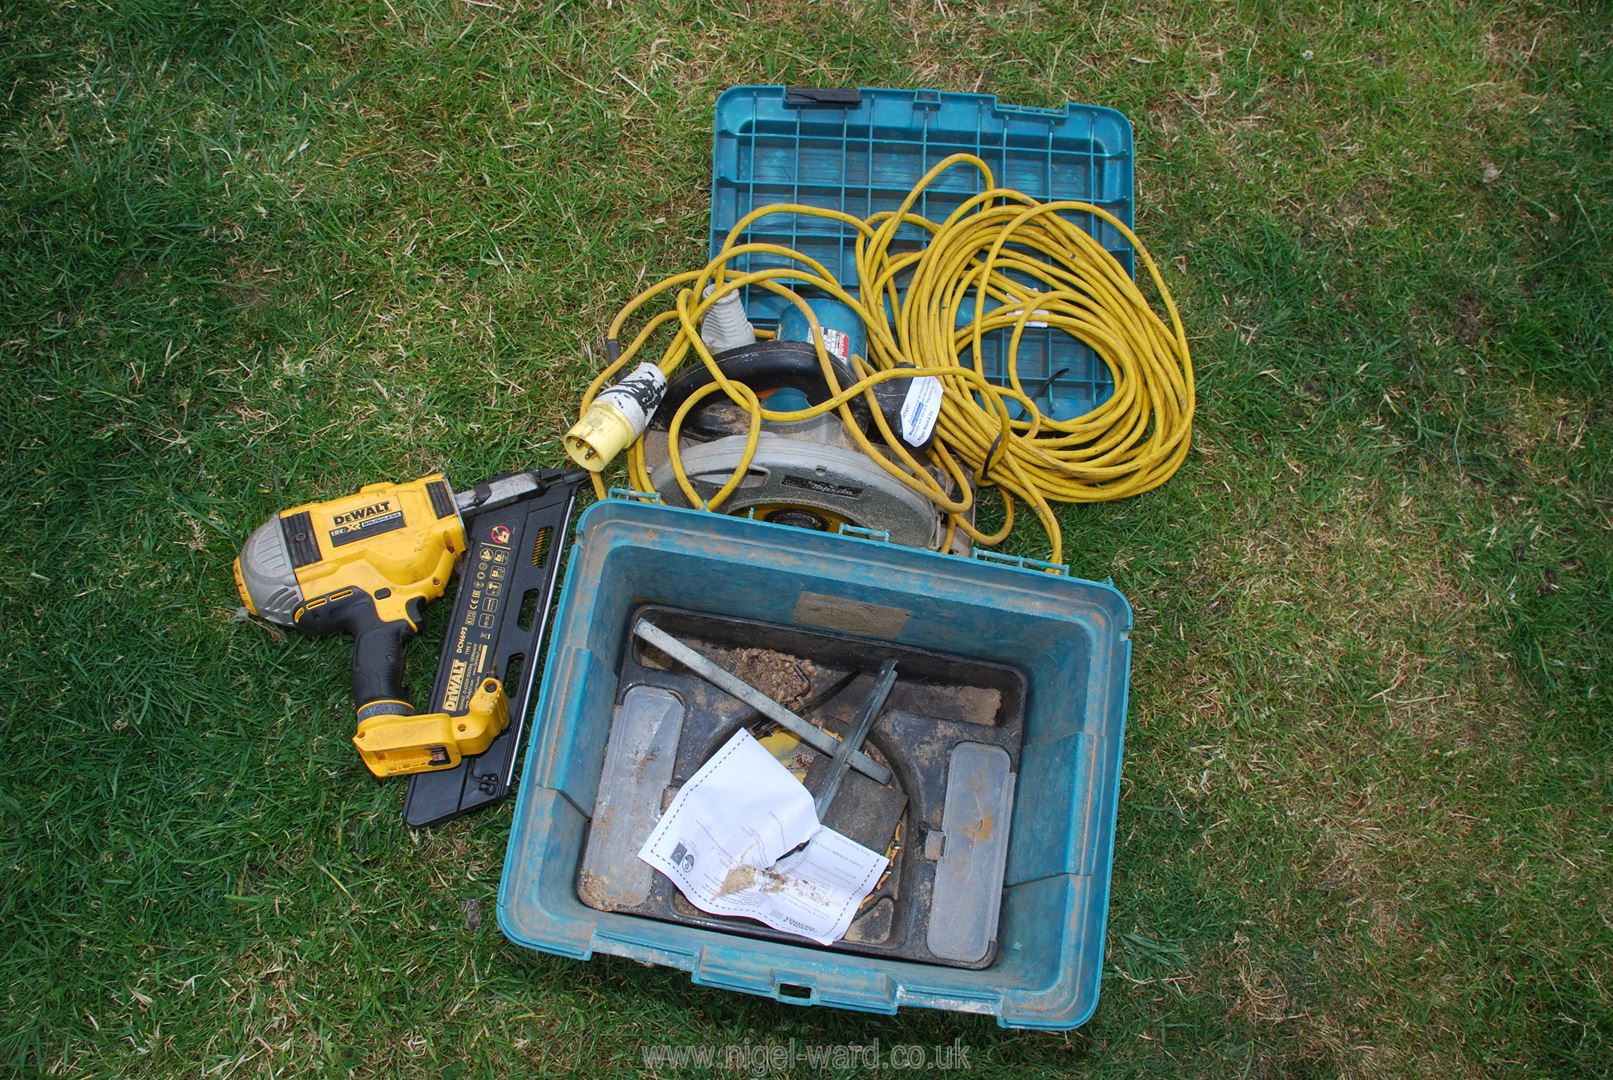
[(713, 673)]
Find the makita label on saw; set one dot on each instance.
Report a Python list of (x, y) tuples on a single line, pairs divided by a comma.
[(823, 487)]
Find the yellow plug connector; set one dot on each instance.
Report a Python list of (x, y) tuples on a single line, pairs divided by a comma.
[(616, 418)]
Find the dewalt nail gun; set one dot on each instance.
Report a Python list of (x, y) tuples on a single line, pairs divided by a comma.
[(369, 563)]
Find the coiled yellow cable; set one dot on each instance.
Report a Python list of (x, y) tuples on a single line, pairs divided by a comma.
[(982, 258)]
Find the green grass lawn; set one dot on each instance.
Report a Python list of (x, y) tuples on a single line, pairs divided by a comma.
[(260, 253)]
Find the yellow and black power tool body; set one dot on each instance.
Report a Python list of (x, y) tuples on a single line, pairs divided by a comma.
[(367, 564)]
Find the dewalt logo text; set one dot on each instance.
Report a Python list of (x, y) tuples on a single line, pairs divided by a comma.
[(456, 681), (363, 513)]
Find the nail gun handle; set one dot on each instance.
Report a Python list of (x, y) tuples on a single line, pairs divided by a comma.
[(378, 665)]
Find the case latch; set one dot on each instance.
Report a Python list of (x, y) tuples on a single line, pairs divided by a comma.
[(1021, 562)]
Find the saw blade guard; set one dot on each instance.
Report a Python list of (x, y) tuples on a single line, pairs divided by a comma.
[(810, 477)]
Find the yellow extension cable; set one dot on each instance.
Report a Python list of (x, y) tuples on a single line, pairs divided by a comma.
[(909, 303)]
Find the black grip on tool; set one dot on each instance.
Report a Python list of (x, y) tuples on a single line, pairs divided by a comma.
[(378, 658), (377, 645)]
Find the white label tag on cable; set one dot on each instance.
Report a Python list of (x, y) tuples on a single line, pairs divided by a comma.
[(1032, 322), (920, 409)]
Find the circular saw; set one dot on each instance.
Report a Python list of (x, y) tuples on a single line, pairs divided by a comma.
[(808, 474)]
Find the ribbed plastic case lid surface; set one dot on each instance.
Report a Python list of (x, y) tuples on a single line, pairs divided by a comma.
[(1069, 637), (861, 152)]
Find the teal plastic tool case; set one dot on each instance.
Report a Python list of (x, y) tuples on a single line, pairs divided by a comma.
[(860, 151)]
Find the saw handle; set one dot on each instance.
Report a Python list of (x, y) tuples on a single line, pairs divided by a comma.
[(764, 367)]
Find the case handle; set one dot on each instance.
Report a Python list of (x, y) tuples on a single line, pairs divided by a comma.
[(844, 97)]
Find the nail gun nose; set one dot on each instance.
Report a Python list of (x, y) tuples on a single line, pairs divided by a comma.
[(265, 574), (518, 485)]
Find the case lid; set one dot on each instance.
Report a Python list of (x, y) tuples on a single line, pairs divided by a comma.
[(861, 151)]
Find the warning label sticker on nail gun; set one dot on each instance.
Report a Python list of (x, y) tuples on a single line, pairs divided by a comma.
[(920, 409)]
